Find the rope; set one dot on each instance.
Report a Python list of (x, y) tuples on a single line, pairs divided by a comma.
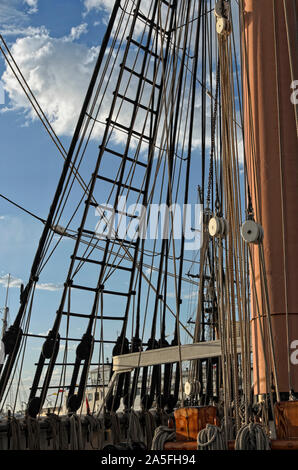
[(162, 435), (22, 208), (63, 435), (33, 433), (53, 432), (135, 431), (76, 438), (95, 432), (148, 427), (14, 434), (252, 437), (115, 428), (211, 438)]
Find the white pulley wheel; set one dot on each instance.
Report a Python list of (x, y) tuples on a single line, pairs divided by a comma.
[(251, 232), (214, 226), (188, 388)]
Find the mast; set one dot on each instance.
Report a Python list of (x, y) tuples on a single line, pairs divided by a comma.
[(269, 61)]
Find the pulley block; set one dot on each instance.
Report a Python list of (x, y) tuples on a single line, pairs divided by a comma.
[(218, 227), (252, 232)]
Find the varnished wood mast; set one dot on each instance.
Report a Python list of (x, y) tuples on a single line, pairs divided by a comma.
[(274, 187)]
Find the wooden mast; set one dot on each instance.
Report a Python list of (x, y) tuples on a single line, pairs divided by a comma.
[(272, 160)]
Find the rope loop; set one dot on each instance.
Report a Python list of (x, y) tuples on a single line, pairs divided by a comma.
[(211, 438), (252, 437)]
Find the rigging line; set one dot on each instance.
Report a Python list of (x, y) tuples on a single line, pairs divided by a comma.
[(147, 113), (24, 350), (86, 128), (139, 138), (290, 50), (40, 113), (47, 227), (282, 196), (240, 96), (23, 209), (97, 93), (177, 329), (32, 98), (122, 103), (14, 365), (74, 170), (177, 27), (84, 186)]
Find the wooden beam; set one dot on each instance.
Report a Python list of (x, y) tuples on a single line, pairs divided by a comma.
[(186, 352)]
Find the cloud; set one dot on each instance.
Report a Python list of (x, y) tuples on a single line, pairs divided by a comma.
[(77, 31), (14, 17), (17, 282), (10, 12), (14, 282), (98, 5), (58, 72), (33, 4), (48, 286), (23, 31)]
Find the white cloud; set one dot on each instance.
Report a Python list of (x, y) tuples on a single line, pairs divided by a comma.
[(58, 72), (33, 4), (48, 286), (77, 31), (17, 282), (98, 5), (10, 12), (13, 282), (23, 31)]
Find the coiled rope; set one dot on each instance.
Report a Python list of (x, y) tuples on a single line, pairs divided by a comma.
[(162, 435), (211, 438), (252, 437)]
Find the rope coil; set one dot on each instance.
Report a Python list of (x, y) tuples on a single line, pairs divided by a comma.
[(211, 438), (162, 435), (252, 437)]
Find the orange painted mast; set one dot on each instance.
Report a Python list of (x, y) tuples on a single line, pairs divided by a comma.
[(269, 65)]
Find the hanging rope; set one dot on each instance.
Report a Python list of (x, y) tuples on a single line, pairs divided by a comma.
[(115, 428), (135, 431), (53, 431), (14, 434), (148, 427), (76, 437), (33, 433), (95, 432)]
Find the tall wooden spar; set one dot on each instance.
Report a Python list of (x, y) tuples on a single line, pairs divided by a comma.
[(269, 68)]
